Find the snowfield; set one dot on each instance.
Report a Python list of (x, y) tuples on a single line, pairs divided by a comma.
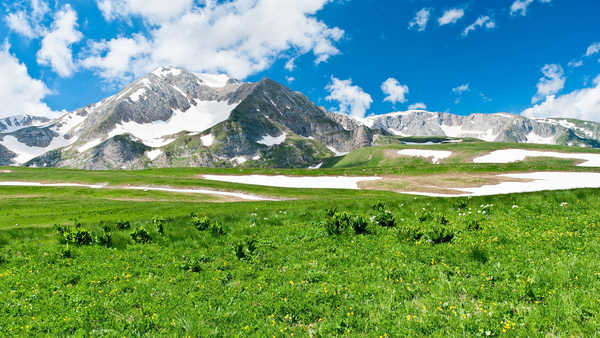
[(435, 155), (516, 155), (323, 182), (242, 196), (270, 141), (26, 153), (198, 118)]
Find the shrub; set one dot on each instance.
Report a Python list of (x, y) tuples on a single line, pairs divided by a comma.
[(194, 264), (359, 224), (385, 219), (65, 252), (245, 250), (123, 225), (439, 234), (140, 235), (159, 225), (201, 223), (410, 232), (216, 228), (337, 223), (77, 235), (106, 238)]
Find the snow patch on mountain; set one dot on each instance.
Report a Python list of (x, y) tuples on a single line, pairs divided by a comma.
[(537, 139), (135, 97), (213, 80), (207, 140), (198, 118), (153, 154), (26, 153), (89, 145), (270, 141)]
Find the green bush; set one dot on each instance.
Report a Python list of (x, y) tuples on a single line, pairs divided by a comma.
[(159, 224), (123, 225), (140, 235), (245, 250), (383, 217), (216, 228), (359, 224), (77, 235), (337, 223), (201, 223)]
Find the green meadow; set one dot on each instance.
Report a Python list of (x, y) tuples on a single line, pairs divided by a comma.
[(315, 263)]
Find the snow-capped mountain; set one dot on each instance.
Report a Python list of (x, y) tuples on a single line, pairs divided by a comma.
[(500, 127), (13, 123), (172, 117)]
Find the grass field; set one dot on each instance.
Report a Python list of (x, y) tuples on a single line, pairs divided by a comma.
[(148, 264)]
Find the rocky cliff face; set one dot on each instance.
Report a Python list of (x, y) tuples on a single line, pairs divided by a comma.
[(13, 123)]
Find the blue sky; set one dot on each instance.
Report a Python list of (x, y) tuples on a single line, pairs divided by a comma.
[(537, 57)]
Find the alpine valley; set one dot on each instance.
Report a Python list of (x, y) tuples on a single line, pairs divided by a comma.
[(174, 118)]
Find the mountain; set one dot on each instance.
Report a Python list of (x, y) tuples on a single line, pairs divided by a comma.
[(501, 127), (13, 123), (174, 118)]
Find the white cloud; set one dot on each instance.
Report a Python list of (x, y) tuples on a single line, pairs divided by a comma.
[(290, 65), (520, 6), (395, 91), (27, 23), (155, 10), (19, 93), (238, 37), (56, 44), (451, 16), (461, 89), (352, 99), (417, 106), (113, 59), (482, 21), (583, 104), (551, 83), (290, 79), (593, 49), (575, 63), (421, 19)]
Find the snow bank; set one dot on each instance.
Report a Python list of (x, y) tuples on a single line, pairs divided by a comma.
[(89, 145), (270, 141), (242, 196), (516, 155), (207, 140), (135, 97), (323, 182), (213, 80), (153, 154), (435, 155)]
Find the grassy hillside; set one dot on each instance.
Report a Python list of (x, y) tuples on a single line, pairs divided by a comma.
[(112, 262)]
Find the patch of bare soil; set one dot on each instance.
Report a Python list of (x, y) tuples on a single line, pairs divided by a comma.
[(437, 183)]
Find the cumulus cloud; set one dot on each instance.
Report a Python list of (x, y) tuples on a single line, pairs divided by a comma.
[(20, 93), (593, 49), (395, 91), (56, 45), (575, 63), (451, 16), (482, 21), (583, 104), (417, 106), (27, 22), (352, 99), (551, 83), (155, 10), (420, 20), (237, 37)]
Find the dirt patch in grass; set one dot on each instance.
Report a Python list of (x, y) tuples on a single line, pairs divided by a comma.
[(437, 183), (5, 171)]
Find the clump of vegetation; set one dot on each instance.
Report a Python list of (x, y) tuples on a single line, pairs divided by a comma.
[(216, 228), (200, 223), (245, 250), (105, 238), (140, 235), (123, 225), (77, 235), (195, 264), (159, 224), (338, 222), (383, 216)]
